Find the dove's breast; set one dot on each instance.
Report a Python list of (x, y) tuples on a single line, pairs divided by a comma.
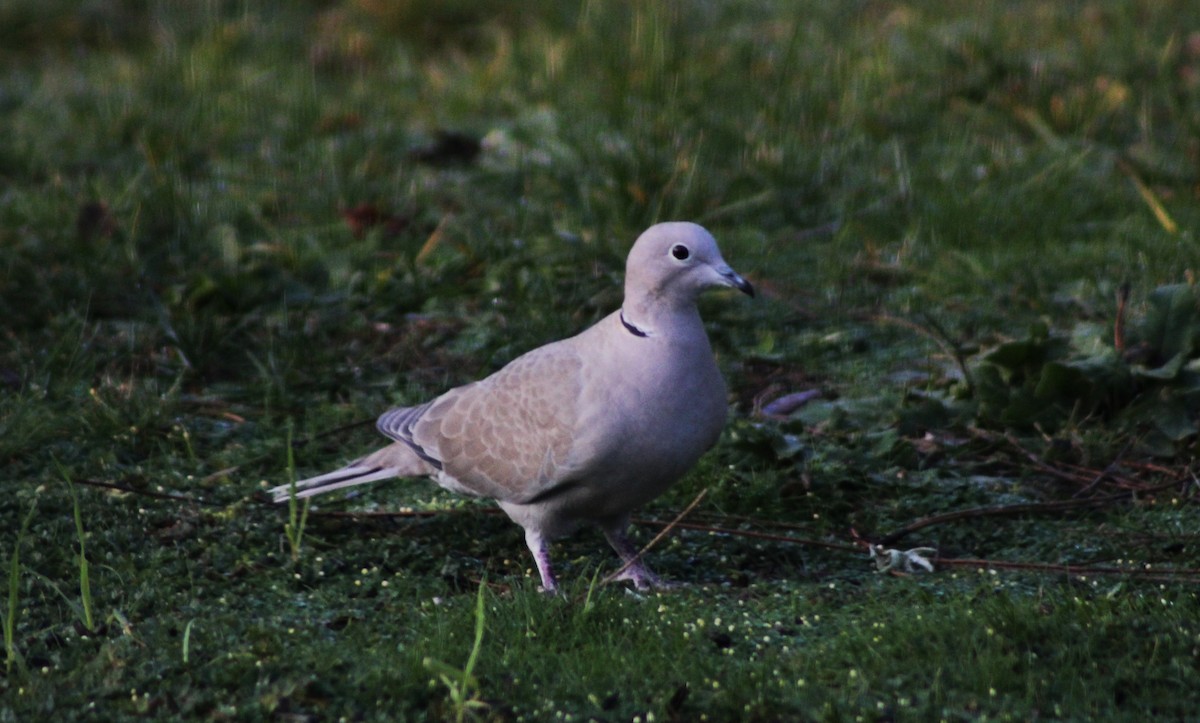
[(651, 408)]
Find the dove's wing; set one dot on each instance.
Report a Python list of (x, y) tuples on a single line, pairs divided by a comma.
[(509, 436)]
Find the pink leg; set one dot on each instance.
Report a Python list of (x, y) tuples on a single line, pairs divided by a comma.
[(637, 572), (541, 557)]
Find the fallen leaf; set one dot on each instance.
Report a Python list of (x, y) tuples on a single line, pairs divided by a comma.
[(788, 403)]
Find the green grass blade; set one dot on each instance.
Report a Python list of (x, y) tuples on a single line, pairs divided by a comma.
[(85, 583), (480, 612), (11, 655), (297, 511), (187, 640)]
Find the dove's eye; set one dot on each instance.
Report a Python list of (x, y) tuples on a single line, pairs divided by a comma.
[(680, 252)]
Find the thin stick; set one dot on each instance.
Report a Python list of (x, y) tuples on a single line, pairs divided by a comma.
[(1175, 575), (414, 514), (1069, 472), (1112, 467), (1119, 322), (808, 542), (1157, 574), (1021, 509), (933, 330), (998, 511), (297, 443), (145, 493)]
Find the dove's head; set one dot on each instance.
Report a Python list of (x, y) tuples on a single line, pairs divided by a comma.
[(675, 262)]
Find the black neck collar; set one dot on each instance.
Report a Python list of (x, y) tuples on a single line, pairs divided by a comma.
[(631, 328)]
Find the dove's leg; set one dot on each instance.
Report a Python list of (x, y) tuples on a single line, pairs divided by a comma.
[(541, 557), (636, 571)]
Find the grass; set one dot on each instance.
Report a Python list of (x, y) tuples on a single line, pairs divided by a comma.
[(462, 686), (11, 654), (297, 511), (229, 234), (85, 579)]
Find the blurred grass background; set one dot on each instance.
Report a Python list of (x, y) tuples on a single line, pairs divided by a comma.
[(220, 219)]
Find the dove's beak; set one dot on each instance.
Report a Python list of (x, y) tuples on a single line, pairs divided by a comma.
[(734, 279)]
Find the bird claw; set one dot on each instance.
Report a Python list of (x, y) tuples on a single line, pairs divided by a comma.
[(643, 580)]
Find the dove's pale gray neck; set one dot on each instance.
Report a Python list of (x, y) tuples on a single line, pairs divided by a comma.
[(645, 314)]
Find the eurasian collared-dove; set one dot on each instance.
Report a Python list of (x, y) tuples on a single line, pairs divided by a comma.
[(581, 431)]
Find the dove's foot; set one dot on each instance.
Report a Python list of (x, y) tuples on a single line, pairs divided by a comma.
[(644, 580), (634, 570)]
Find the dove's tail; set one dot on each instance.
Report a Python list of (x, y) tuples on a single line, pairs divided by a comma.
[(396, 460)]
